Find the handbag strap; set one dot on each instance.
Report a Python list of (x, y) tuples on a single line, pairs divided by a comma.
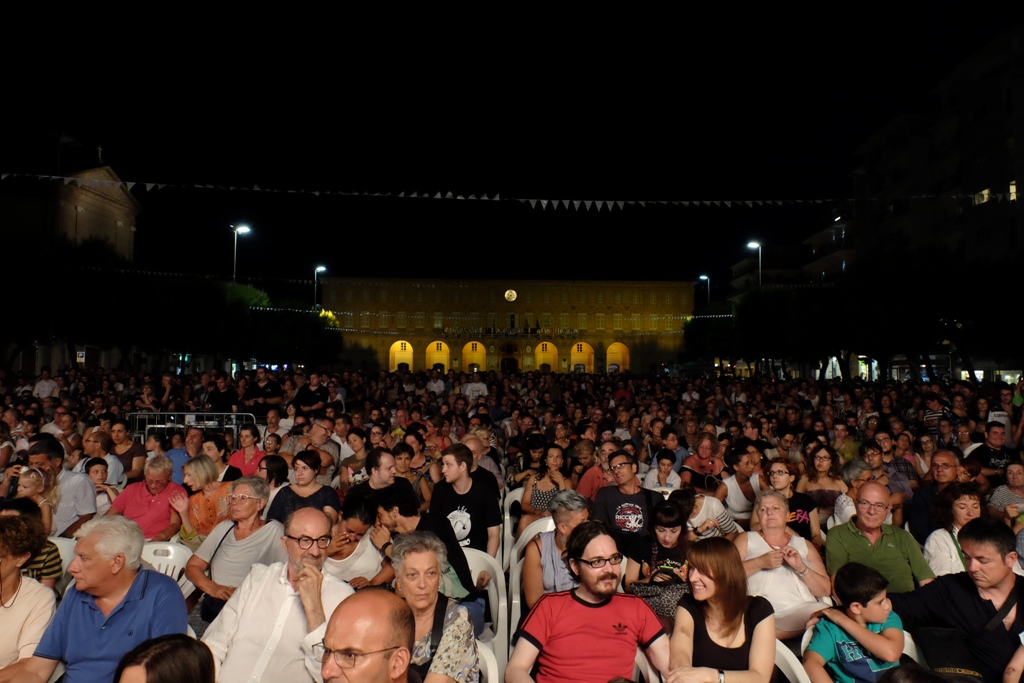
[(1008, 604), (222, 539)]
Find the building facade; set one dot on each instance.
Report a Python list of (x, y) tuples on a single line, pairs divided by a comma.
[(511, 325)]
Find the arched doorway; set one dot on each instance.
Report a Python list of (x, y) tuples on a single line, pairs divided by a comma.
[(546, 357), (511, 357), (581, 358), (438, 353), (401, 354), (474, 357), (618, 357)]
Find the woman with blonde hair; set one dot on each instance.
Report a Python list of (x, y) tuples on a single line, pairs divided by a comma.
[(205, 508), (35, 485)]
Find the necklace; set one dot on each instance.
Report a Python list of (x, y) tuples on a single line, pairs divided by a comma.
[(16, 592)]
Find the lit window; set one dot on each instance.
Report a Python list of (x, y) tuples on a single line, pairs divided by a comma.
[(983, 196), (440, 346), (473, 347), (404, 347), (544, 348), (579, 348), (1013, 190)]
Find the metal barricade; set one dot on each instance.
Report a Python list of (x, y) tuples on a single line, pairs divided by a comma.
[(141, 423)]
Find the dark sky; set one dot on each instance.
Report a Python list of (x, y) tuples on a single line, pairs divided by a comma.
[(692, 108)]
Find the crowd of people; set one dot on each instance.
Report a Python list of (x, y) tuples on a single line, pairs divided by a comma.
[(701, 519)]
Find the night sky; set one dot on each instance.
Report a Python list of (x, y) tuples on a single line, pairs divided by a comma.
[(689, 109)]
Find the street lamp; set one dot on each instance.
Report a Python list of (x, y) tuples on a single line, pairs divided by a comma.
[(316, 272), (708, 280), (240, 230), (757, 245)]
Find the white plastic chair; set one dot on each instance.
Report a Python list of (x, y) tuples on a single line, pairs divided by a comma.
[(496, 638), (788, 663), (643, 670), (663, 490), (66, 548), (57, 673), (508, 528), (534, 528), (170, 559), (488, 665), (515, 597)]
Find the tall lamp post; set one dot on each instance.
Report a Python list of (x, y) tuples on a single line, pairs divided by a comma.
[(240, 230), (757, 245), (708, 280), (316, 272)]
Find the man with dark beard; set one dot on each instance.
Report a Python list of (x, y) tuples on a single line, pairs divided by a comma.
[(591, 632)]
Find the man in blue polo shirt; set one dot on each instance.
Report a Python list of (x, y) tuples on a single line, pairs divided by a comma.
[(112, 606)]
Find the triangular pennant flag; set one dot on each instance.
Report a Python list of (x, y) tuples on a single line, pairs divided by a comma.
[(533, 203), (448, 196), (587, 203), (643, 204), (401, 194), (728, 205), (599, 203), (576, 203), (129, 186), (497, 197), (472, 196), (620, 205), (437, 196), (544, 203)]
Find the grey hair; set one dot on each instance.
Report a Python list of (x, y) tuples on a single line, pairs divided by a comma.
[(771, 493), (418, 542), (159, 464), (853, 469), (259, 487), (565, 503), (116, 535)]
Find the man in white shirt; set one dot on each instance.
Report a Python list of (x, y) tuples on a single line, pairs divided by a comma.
[(268, 628), (45, 386), (474, 389), (97, 445)]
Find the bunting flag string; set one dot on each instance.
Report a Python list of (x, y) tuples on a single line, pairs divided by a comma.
[(535, 203)]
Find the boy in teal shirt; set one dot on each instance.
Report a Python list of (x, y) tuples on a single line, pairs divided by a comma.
[(861, 641)]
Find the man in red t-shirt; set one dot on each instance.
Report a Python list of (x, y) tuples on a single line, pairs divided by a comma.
[(589, 633)]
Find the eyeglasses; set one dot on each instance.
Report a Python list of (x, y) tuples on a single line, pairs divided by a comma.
[(600, 562), (868, 505), (778, 473), (305, 542), (619, 466), (345, 660), (241, 497), (823, 458)]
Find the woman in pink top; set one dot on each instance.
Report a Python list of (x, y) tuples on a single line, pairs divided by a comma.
[(248, 457)]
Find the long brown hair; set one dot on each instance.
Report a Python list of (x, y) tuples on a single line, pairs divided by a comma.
[(719, 559)]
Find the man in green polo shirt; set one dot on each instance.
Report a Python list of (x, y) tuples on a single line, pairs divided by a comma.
[(865, 539)]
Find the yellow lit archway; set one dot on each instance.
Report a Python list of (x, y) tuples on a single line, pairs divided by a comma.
[(474, 356), (618, 357), (401, 352), (581, 357), (438, 353), (545, 356)]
